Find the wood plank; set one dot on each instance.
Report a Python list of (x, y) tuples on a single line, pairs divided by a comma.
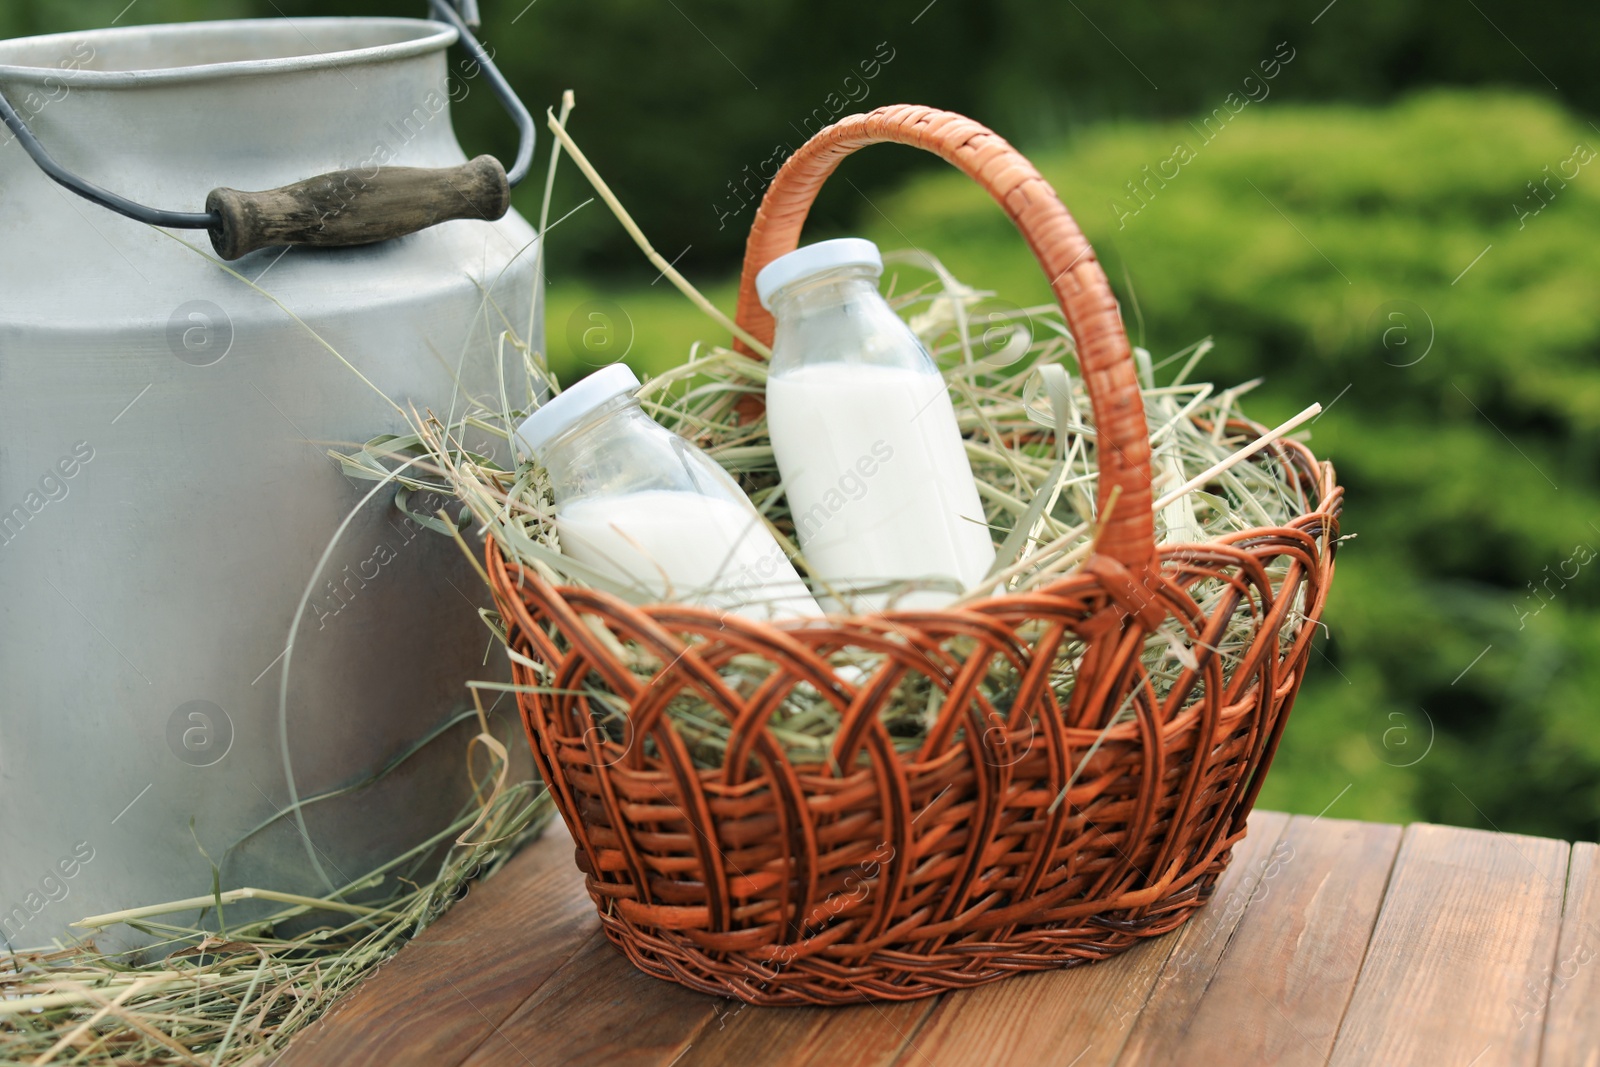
[(600, 1011), (1473, 959), (862, 1035), (1281, 985), (1470, 919), (1082, 1016), (444, 994), (1572, 1025)]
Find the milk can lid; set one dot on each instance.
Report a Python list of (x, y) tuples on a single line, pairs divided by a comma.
[(562, 412), (814, 259)]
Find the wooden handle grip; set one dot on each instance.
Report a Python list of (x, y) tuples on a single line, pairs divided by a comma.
[(1104, 357), (357, 207)]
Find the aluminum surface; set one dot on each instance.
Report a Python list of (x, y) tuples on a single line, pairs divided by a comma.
[(146, 596)]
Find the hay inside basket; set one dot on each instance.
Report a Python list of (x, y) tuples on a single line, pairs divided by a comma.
[(1030, 439)]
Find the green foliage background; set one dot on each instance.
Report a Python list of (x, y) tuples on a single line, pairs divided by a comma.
[(1360, 236)]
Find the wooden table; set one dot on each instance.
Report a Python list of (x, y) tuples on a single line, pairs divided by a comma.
[(1327, 942)]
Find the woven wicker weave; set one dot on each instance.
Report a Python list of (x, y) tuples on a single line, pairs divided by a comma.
[(890, 875)]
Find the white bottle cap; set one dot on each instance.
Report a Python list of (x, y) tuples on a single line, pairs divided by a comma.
[(567, 409), (814, 259)]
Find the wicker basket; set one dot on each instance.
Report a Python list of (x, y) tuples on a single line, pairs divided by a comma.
[(893, 876)]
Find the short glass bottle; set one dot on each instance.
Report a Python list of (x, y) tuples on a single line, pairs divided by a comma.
[(650, 511)]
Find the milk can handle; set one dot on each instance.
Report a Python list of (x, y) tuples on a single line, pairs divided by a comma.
[(343, 208)]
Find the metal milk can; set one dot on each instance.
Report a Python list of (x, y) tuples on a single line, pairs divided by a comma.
[(167, 402)]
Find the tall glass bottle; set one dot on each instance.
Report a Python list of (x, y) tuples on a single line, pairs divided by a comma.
[(866, 437)]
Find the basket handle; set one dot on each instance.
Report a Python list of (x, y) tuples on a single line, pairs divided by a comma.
[(1123, 446)]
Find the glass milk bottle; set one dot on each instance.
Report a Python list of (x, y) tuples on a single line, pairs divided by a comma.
[(651, 511), (865, 435)]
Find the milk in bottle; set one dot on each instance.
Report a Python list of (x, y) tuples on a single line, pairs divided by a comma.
[(651, 511), (866, 437)]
